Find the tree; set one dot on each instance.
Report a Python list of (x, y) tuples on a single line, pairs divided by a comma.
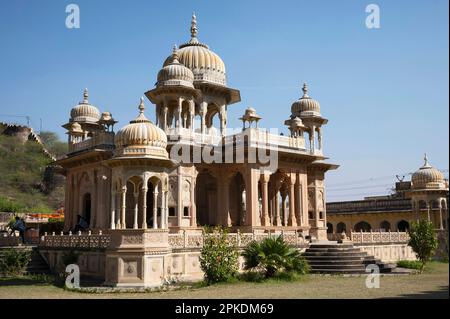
[(423, 241), (219, 256), (272, 255), (53, 143)]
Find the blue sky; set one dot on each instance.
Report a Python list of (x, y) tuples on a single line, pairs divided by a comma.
[(385, 91)]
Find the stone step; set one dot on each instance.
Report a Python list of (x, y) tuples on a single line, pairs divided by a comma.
[(331, 246), (333, 250), (335, 254), (337, 266), (338, 271), (336, 262)]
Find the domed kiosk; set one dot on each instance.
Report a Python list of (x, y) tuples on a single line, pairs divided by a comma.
[(429, 193)]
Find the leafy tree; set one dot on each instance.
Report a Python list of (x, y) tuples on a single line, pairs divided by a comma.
[(423, 241), (219, 256), (53, 143), (273, 255)]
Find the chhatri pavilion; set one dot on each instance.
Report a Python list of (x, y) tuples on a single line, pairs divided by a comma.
[(146, 175), (182, 171)]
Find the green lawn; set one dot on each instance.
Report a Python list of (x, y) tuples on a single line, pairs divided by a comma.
[(433, 283)]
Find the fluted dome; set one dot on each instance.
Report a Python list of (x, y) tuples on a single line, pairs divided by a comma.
[(84, 112), (141, 137), (175, 73), (75, 127), (427, 177), (305, 106), (204, 63)]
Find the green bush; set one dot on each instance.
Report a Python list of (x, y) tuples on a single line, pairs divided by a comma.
[(274, 255), (410, 264), (14, 261), (219, 257), (423, 241), (10, 206)]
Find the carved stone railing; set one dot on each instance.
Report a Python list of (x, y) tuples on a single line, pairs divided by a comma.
[(9, 240), (100, 140), (182, 240), (83, 241), (379, 237), (185, 240)]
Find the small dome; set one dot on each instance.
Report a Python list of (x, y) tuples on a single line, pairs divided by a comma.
[(297, 122), (75, 127), (204, 63), (106, 116), (141, 137), (305, 106), (427, 177), (175, 73), (84, 112)]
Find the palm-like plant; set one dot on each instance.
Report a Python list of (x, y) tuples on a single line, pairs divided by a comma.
[(272, 255)]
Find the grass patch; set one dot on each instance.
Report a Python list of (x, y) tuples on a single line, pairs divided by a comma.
[(409, 264)]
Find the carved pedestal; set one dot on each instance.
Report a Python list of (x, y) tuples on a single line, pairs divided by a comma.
[(137, 258)]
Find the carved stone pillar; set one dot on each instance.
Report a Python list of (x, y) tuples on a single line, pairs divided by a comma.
[(193, 205), (292, 220), (277, 217), (265, 221), (284, 208), (203, 111), (441, 221), (124, 208), (223, 119), (155, 207), (136, 211), (144, 207), (163, 210), (113, 211)]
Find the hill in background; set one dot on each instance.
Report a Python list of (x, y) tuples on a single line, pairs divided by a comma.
[(28, 183)]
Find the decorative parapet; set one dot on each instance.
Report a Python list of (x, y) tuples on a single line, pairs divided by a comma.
[(182, 240), (379, 237), (10, 240), (187, 240), (80, 241), (104, 140)]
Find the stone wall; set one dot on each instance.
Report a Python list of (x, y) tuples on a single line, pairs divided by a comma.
[(389, 253)]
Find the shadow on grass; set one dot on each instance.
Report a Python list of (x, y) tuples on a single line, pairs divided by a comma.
[(25, 281), (441, 293)]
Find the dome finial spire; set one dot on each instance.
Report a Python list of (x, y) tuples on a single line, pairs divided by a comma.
[(175, 54), (194, 30), (85, 96), (141, 106), (426, 163), (305, 90)]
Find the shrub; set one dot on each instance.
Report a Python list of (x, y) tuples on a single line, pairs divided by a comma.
[(423, 241), (410, 264), (273, 255), (219, 257), (14, 261)]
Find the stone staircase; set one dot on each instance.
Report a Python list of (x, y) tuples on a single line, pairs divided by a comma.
[(37, 264), (334, 258)]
